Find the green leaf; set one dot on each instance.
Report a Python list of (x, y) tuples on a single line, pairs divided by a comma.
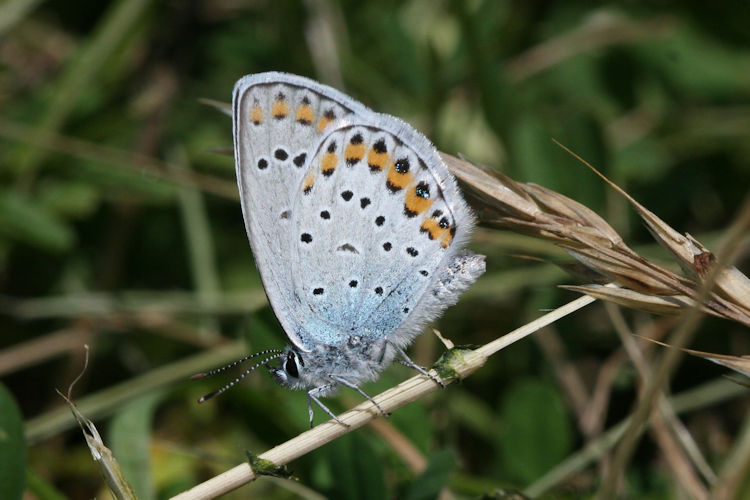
[(70, 198), (41, 488), (125, 182), (12, 447), (130, 438), (473, 412), (642, 160), (24, 220), (357, 471), (695, 64), (434, 478), (537, 434), (530, 148)]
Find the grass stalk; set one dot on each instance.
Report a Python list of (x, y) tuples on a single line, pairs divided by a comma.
[(405, 392)]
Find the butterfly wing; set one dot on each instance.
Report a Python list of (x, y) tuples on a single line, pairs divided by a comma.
[(278, 120), (376, 222), (355, 223)]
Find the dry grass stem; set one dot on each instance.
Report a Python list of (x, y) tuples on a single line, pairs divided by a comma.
[(680, 338), (139, 163), (40, 349), (134, 303), (592, 421), (325, 32), (110, 469), (675, 442), (595, 33), (502, 202), (463, 365), (740, 364), (736, 467), (709, 393), (566, 372), (532, 209), (401, 445)]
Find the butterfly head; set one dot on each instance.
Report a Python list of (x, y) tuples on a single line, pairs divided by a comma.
[(290, 373)]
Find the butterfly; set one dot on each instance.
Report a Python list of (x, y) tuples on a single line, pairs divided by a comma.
[(356, 226)]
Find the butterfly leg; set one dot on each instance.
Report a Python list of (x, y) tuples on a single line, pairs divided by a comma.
[(406, 361), (312, 395), (348, 384)]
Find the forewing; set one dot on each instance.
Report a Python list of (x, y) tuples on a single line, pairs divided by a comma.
[(278, 122)]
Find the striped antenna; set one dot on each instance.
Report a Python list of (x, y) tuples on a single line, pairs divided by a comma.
[(235, 363), (277, 354)]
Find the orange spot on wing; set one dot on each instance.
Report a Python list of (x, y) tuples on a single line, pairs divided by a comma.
[(323, 123), (328, 163), (309, 182), (256, 115), (354, 153), (305, 115), (397, 181), (448, 237), (432, 228), (280, 109), (377, 161), (415, 205)]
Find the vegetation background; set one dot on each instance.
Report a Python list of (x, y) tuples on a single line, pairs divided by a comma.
[(120, 229)]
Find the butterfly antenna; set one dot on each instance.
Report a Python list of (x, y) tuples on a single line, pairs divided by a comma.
[(235, 363), (244, 374)]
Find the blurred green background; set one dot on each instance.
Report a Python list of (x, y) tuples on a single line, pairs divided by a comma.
[(120, 229)]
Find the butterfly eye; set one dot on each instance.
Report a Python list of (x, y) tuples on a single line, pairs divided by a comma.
[(290, 366)]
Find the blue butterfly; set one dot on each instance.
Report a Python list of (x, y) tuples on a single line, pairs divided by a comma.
[(357, 229)]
